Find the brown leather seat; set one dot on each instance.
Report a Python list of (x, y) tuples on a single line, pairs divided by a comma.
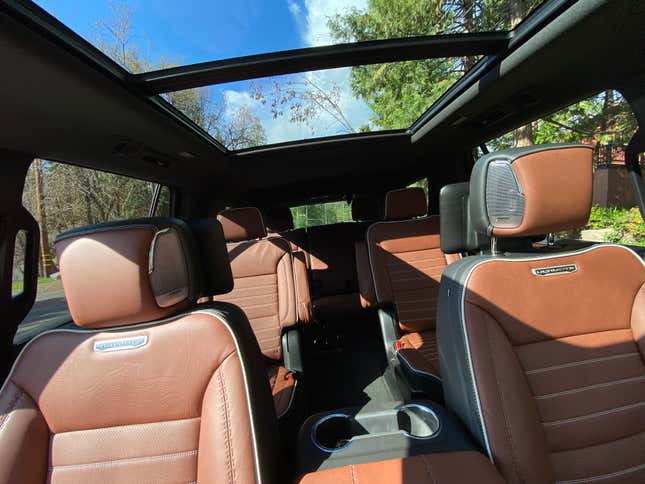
[(264, 288), (407, 261), (366, 208), (543, 352), (148, 389), (279, 222)]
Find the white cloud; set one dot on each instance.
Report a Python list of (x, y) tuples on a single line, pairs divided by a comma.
[(294, 7), (316, 32), (311, 17)]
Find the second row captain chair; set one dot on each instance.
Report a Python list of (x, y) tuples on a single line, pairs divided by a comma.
[(150, 387), (265, 289), (407, 256)]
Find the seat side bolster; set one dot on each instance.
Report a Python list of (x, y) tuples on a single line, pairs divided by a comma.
[(365, 281), (459, 388), (303, 293), (638, 319), (264, 426), (24, 438)]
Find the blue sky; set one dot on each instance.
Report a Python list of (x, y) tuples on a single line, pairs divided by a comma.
[(190, 31)]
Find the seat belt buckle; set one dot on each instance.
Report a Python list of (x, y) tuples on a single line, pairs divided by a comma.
[(397, 346), (290, 375)]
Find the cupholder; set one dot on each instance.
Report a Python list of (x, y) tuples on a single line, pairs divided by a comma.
[(418, 421), (334, 432)]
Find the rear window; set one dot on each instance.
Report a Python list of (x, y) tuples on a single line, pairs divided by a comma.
[(321, 214), (605, 122), (61, 197)]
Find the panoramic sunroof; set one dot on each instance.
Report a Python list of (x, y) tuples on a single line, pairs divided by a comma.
[(295, 107), (146, 35)]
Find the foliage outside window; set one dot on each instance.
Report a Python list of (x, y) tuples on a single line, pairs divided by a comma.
[(605, 122), (321, 214), (335, 101), (421, 183)]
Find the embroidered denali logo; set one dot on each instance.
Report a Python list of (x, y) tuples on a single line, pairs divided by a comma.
[(555, 270), (120, 344)]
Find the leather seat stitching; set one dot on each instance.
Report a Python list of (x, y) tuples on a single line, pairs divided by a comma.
[(603, 477), (135, 460), (581, 362), (351, 471), (589, 387), (428, 468), (565, 421), (229, 451)]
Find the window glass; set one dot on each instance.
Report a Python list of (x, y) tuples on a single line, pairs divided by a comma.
[(61, 197), (18, 268), (163, 208), (605, 122), (321, 214)]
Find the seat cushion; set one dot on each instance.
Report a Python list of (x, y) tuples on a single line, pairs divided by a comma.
[(452, 467), (419, 352), (282, 389), (543, 361)]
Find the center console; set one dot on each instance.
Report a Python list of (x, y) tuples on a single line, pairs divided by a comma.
[(354, 435)]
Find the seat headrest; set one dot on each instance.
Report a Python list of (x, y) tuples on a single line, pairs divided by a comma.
[(405, 203), (217, 277), (457, 233), (278, 219), (128, 272), (531, 191), (367, 207), (244, 223)]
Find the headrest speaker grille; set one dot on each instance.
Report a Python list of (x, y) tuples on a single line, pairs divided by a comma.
[(504, 197)]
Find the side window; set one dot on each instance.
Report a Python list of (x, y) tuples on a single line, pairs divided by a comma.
[(163, 208), (61, 197), (321, 214), (18, 268), (605, 122)]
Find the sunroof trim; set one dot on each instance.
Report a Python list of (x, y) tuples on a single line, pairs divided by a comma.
[(320, 58), (390, 133)]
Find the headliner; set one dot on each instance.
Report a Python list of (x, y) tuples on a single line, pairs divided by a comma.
[(65, 105)]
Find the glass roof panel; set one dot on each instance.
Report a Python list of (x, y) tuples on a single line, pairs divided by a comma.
[(145, 35), (296, 107)]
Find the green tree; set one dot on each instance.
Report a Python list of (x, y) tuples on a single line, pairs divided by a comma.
[(398, 93)]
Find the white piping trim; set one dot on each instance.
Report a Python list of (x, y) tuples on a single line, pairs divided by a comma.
[(463, 307), (160, 322)]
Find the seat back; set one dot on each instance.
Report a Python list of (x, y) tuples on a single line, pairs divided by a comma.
[(542, 353), (279, 223), (264, 286), (406, 259), (129, 396), (365, 208)]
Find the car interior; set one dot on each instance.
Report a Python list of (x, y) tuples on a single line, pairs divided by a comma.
[(453, 332)]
